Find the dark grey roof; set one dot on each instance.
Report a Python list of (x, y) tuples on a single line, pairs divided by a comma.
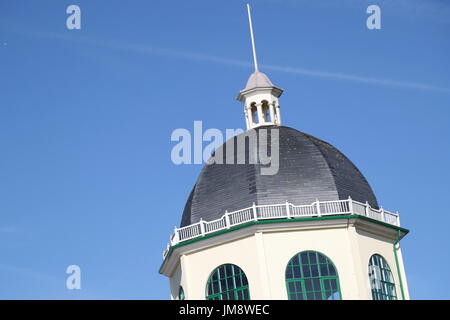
[(309, 169)]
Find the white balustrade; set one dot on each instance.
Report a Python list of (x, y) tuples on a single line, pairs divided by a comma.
[(279, 211), (241, 216), (215, 225), (307, 211), (271, 211)]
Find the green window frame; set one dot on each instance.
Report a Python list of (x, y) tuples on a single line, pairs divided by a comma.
[(382, 282), (181, 294), (310, 275), (227, 282)]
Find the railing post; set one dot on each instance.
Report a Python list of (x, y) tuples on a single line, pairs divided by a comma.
[(288, 210), (366, 209), (255, 215), (202, 227), (318, 207), (176, 237), (398, 219), (227, 220), (350, 205), (383, 218)]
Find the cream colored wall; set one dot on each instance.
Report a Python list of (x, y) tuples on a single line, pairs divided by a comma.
[(368, 245), (199, 265), (263, 257), (331, 242)]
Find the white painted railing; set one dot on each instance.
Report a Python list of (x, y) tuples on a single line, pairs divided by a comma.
[(281, 211)]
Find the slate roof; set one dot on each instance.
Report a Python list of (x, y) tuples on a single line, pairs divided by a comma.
[(309, 169)]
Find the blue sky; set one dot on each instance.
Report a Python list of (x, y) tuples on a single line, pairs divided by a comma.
[(86, 117)]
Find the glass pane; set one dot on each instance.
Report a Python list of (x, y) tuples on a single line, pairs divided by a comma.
[(306, 273), (210, 289), (308, 285), (246, 295), (289, 274), (314, 271), (238, 280), (222, 272), (331, 270), (297, 273), (322, 258), (228, 270), (304, 258), (324, 270), (312, 258), (333, 284), (223, 284), (230, 283), (316, 284), (333, 296), (291, 286), (327, 284)]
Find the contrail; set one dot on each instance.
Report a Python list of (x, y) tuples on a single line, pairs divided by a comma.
[(356, 78), (145, 49)]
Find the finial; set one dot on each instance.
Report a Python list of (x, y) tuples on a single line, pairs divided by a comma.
[(255, 61)]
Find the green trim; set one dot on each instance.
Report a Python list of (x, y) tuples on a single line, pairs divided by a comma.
[(396, 263), (286, 220)]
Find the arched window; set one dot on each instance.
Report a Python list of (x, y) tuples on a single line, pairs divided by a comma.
[(266, 111), (381, 279), (227, 282), (254, 112), (181, 293), (310, 275)]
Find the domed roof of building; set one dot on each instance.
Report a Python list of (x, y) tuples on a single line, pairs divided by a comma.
[(309, 169)]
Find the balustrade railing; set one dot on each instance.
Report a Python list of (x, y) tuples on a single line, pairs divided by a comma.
[(281, 211)]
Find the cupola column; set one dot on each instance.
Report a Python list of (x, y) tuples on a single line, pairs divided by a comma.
[(247, 115), (277, 108), (260, 114), (272, 112)]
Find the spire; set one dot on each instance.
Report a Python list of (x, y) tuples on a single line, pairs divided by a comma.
[(260, 96), (252, 36)]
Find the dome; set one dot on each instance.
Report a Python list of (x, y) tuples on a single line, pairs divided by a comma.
[(309, 170)]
